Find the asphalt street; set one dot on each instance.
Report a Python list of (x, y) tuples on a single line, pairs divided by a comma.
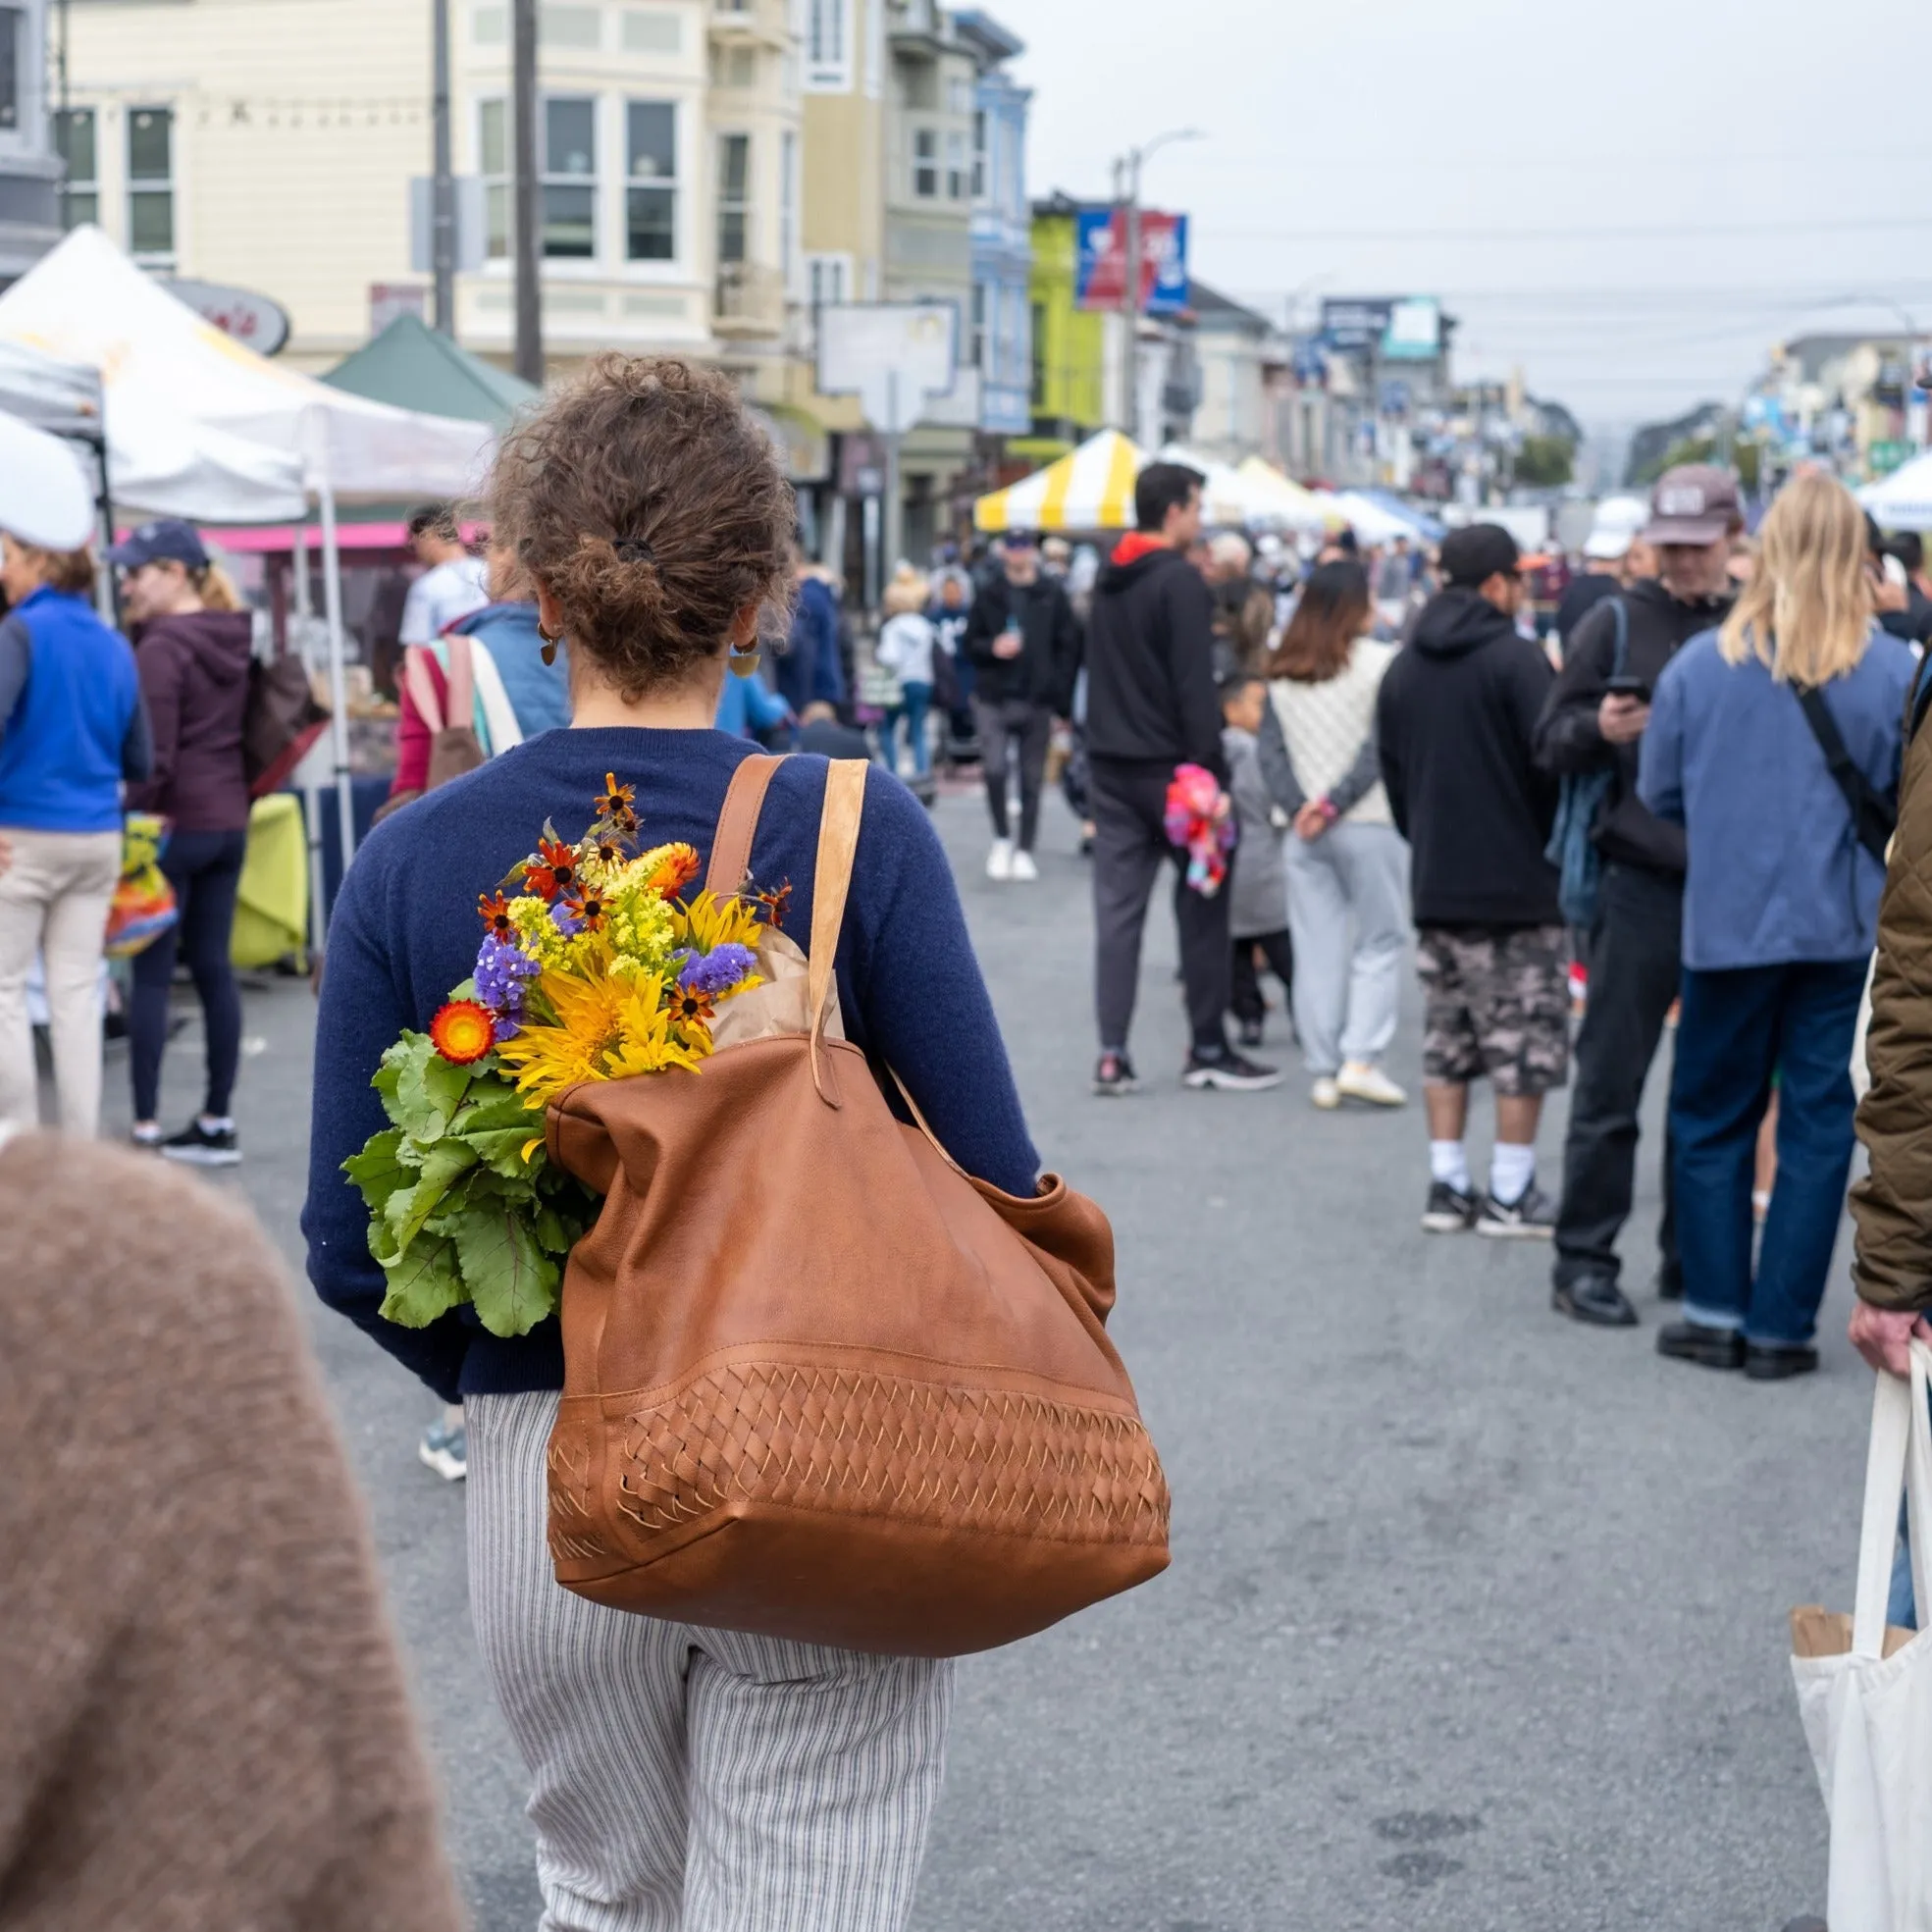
[(1476, 1619)]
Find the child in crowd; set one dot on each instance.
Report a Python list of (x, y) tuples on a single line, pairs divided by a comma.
[(1258, 910)]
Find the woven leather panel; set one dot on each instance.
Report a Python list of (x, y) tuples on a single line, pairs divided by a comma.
[(846, 1441)]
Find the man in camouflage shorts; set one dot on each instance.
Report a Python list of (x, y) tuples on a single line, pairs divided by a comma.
[(1496, 1004), (1456, 719)]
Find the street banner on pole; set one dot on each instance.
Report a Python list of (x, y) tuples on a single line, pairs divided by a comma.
[(1100, 261)]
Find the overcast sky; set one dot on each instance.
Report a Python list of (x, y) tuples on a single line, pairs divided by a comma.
[(1631, 201)]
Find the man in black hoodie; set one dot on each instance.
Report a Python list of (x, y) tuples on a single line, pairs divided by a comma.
[(1152, 705), (1636, 943), (1454, 721)]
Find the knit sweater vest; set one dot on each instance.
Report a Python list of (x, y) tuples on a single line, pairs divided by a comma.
[(1326, 725)]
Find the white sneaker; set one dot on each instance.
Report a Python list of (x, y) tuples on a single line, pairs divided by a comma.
[(1326, 1094), (1358, 1081), (999, 861), (1023, 867)]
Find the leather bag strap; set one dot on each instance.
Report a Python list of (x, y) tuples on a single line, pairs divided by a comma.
[(738, 824), (460, 669), (831, 882), (422, 686)]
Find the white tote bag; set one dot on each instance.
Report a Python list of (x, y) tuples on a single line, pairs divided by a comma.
[(1864, 1692)]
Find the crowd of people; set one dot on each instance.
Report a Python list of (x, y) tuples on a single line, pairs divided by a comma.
[(1690, 790)]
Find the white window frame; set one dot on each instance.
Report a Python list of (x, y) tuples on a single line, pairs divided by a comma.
[(660, 265), (548, 178), (20, 60), (922, 161), (789, 174), (497, 183), (743, 204), (977, 343), (88, 185), (959, 179), (153, 186), (827, 38), (829, 279), (982, 177)]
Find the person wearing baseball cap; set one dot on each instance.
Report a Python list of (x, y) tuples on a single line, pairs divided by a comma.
[(1455, 717), (71, 730), (193, 644), (1594, 724)]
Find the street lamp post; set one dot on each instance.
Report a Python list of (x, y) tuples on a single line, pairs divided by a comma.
[(1127, 192)]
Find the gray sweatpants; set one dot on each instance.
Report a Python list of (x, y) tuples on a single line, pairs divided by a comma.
[(692, 1780), (1348, 914)]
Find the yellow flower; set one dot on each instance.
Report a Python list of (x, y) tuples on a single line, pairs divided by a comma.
[(639, 927), (649, 1045), (547, 1059), (537, 931), (709, 923)]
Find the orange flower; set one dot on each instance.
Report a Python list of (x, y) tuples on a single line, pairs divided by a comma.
[(462, 1032), (676, 871), (553, 870), (614, 803), (496, 916), (689, 1007), (588, 907)]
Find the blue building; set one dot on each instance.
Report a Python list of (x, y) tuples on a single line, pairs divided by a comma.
[(999, 330)]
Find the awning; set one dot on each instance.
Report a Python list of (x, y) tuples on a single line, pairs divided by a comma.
[(1903, 500), (412, 366), (1093, 488)]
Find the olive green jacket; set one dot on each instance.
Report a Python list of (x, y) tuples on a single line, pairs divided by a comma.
[(1891, 1207)]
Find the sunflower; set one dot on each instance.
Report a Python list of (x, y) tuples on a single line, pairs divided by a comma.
[(649, 1046), (553, 870), (462, 1032), (549, 1056), (496, 916), (708, 923)]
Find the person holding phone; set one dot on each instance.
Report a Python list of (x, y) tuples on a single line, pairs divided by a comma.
[(1594, 721)]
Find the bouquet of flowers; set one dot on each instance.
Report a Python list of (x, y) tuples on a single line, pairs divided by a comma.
[(596, 970), (1199, 821)]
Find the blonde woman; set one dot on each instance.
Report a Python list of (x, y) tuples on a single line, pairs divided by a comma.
[(1347, 865), (1780, 913)]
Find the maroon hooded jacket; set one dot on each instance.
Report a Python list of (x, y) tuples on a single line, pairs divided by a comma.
[(194, 680)]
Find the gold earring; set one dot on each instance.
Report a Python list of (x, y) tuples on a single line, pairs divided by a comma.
[(551, 641), (744, 663)]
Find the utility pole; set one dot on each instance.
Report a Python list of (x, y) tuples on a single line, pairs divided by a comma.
[(1127, 190), (526, 222), (442, 184)]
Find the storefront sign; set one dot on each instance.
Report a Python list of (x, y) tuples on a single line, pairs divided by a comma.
[(257, 320)]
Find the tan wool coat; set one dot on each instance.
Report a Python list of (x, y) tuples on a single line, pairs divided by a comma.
[(203, 1722)]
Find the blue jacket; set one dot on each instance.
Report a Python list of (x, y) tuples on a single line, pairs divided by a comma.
[(1777, 874), (539, 693), (749, 705), (810, 667), (72, 726)]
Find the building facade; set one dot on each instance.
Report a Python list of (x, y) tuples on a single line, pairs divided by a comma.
[(669, 146), (1067, 392), (999, 327), (31, 170)]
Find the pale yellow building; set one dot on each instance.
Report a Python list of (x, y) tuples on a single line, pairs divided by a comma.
[(271, 144)]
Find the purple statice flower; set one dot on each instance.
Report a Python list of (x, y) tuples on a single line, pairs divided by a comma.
[(501, 970), (717, 972)]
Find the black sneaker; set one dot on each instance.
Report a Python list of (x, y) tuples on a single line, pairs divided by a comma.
[(202, 1147), (1593, 1298), (1531, 1218), (1231, 1072), (1115, 1074), (1449, 1209)]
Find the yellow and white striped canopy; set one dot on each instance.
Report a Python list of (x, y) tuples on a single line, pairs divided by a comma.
[(1091, 488), (1278, 499)]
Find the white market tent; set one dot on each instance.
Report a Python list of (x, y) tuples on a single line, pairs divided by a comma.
[(1277, 503), (1371, 523), (1903, 500), (1090, 488), (201, 427), (1226, 499)]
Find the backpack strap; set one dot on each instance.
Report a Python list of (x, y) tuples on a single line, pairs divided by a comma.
[(1873, 822), (422, 686), (838, 845), (459, 668), (1620, 656), (738, 824)]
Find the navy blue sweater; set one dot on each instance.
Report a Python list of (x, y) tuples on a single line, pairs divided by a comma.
[(406, 931)]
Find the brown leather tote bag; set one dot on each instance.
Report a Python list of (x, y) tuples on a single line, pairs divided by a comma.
[(820, 1383)]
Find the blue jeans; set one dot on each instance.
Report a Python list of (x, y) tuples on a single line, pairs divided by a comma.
[(915, 700), (1738, 1028)]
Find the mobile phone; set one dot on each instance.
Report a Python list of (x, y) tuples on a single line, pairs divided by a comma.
[(1628, 687)]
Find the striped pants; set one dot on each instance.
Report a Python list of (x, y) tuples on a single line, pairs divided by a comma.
[(690, 1779)]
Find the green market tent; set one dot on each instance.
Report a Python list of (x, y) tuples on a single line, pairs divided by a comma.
[(409, 364)]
